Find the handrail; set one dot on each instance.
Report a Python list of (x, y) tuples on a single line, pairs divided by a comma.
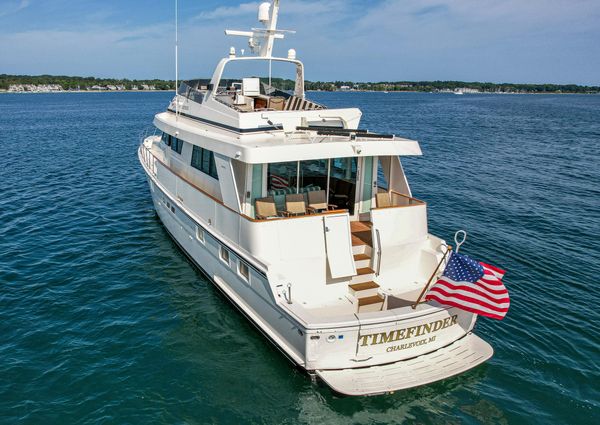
[(244, 216), (378, 252), (431, 278), (416, 202)]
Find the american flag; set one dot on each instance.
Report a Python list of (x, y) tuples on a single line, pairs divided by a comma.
[(278, 182), (471, 286)]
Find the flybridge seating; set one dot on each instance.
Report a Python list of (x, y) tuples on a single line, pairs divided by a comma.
[(250, 95), (246, 95)]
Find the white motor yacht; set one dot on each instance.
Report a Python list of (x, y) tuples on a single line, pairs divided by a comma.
[(307, 224)]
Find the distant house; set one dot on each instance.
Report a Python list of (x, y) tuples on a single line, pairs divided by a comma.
[(467, 90), (345, 88), (35, 88), (97, 88)]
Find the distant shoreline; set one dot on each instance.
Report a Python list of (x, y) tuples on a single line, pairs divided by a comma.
[(84, 91), (307, 91), (74, 84)]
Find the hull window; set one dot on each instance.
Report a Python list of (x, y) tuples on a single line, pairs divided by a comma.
[(176, 144), (224, 254), (166, 139), (243, 271), (200, 234), (204, 160)]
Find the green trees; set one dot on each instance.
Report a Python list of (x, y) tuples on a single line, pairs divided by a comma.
[(79, 83), (83, 83)]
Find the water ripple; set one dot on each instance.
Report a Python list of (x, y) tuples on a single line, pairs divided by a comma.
[(104, 320)]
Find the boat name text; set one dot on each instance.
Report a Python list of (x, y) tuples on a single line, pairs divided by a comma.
[(410, 332)]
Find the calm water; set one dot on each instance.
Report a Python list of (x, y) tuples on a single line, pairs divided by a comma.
[(102, 319)]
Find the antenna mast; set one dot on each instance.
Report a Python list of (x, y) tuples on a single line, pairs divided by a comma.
[(176, 60), (261, 40)]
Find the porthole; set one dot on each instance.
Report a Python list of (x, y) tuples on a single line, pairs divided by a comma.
[(224, 255), (244, 271), (200, 234)]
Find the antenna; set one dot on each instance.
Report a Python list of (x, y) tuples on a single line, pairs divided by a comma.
[(261, 40), (176, 60)]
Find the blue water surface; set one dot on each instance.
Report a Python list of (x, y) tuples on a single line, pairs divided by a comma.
[(103, 320)]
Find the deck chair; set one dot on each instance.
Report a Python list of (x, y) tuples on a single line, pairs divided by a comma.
[(317, 202), (383, 200), (295, 204), (265, 208)]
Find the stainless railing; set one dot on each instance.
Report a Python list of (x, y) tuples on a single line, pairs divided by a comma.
[(378, 252)]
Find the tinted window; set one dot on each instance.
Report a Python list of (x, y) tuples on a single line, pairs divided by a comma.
[(166, 139), (204, 160), (176, 144)]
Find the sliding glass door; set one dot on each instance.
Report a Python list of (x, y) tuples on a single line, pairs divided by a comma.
[(336, 177)]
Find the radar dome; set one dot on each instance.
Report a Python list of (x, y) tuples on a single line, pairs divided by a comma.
[(263, 12)]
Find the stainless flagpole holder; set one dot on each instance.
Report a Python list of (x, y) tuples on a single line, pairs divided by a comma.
[(464, 238)]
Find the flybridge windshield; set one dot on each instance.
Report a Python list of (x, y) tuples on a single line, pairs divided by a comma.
[(196, 89), (193, 89), (280, 75)]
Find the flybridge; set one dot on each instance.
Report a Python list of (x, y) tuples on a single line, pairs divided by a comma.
[(260, 40), (307, 223)]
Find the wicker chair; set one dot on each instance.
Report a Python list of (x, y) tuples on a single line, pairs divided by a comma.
[(317, 202), (295, 204), (265, 208)]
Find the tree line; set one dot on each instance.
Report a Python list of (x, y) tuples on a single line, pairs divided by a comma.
[(73, 83)]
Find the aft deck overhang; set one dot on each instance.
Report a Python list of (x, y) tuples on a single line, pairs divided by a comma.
[(458, 357), (279, 146)]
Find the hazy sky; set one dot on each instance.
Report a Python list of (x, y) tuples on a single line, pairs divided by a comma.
[(535, 41)]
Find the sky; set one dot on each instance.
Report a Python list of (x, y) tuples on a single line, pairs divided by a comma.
[(520, 41)]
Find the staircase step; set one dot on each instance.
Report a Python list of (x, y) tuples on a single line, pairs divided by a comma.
[(361, 278), (364, 270), (373, 303), (363, 289), (361, 249), (363, 286), (360, 257)]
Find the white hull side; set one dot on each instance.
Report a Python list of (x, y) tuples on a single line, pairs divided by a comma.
[(252, 298)]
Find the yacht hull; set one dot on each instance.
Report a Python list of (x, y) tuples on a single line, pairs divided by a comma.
[(341, 354)]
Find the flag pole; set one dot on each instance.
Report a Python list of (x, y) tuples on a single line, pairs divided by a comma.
[(431, 278)]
